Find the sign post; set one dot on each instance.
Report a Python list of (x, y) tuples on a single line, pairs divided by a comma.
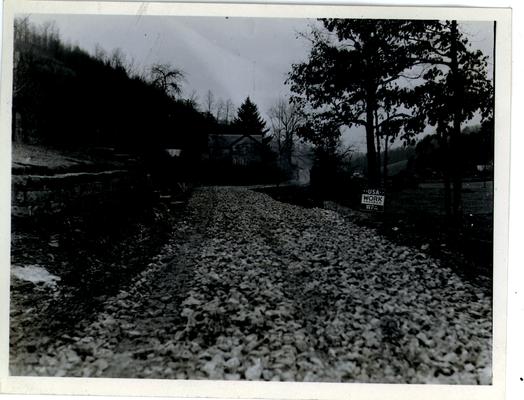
[(373, 200)]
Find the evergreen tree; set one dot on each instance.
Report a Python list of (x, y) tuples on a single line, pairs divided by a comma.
[(248, 120)]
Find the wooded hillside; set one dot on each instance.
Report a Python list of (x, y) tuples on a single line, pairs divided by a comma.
[(62, 95)]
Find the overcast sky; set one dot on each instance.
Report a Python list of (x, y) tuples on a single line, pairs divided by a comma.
[(232, 57)]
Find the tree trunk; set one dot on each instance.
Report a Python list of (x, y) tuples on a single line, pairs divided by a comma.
[(446, 175), (385, 172), (370, 137), (289, 147), (377, 134), (456, 165)]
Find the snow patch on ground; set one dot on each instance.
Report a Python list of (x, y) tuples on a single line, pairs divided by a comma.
[(35, 274)]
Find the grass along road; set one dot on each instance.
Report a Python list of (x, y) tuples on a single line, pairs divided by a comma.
[(251, 288)]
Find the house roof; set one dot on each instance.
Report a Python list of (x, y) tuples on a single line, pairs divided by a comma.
[(231, 140), (248, 137)]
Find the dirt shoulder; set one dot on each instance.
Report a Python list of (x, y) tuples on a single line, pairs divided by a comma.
[(44, 160)]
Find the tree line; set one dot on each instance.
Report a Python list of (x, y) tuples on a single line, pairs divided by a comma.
[(394, 78), (65, 96), (62, 95)]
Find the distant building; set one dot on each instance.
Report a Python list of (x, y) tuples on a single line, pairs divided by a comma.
[(240, 149)]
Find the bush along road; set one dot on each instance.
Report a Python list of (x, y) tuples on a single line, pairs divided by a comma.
[(251, 288)]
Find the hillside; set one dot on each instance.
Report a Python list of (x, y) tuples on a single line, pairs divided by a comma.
[(64, 96)]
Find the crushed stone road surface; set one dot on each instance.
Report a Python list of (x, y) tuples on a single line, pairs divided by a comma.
[(251, 288)]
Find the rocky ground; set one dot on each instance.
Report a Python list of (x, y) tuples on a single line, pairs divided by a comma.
[(251, 288)]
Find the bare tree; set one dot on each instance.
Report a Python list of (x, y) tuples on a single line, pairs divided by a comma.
[(285, 119), (220, 105), (117, 59), (99, 53), (49, 35), (23, 54), (167, 78), (23, 59), (192, 100), (228, 110), (209, 102)]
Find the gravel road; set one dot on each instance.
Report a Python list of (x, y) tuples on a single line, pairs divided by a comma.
[(250, 288)]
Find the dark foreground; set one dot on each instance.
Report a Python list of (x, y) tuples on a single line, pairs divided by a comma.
[(251, 288)]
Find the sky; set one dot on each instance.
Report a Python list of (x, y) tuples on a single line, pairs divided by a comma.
[(232, 57)]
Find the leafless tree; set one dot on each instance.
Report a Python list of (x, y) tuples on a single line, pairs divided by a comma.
[(168, 78), (285, 119), (220, 105), (192, 99), (23, 56), (117, 59), (229, 108), (99, 53), (209, 102)]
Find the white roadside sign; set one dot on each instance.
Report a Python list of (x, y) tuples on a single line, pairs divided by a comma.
[(373, 200)]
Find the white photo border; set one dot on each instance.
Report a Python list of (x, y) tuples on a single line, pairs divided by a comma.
[(266, 390)]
